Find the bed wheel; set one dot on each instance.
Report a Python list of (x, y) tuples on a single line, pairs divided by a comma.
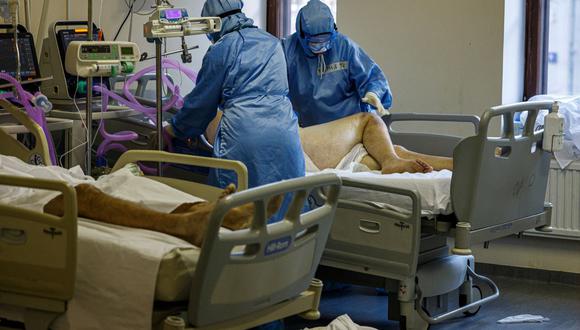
[(476, 295)]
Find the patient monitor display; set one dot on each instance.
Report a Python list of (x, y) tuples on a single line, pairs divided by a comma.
[(28, 62), (101, 58)]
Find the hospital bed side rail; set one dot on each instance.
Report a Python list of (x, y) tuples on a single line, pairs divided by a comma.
[(38, 251), (278, 261), (193, 188), (370, 238), (428, 143), (38, 155), (499, 183)]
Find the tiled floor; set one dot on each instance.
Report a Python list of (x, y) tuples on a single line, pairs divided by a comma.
[(560, 303)]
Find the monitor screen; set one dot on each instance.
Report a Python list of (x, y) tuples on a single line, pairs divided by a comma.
[(28, 61), (127, 51), (96, 49), (172, 13)]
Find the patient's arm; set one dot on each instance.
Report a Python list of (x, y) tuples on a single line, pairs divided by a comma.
[(327, 144), (189, 224)]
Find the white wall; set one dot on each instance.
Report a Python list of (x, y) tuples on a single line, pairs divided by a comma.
[(113, 12), (441, 56)]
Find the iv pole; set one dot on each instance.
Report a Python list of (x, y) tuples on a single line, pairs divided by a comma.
[(158, 98), (89, 102), (14, 12)]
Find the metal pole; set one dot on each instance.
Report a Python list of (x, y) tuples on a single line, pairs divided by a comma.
[(89, 103), (158, 99), (15, 11)]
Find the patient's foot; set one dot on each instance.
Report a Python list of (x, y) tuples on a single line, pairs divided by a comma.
[(190, 207), (193, 226), (241, 217), (230, 189), (400, 165)]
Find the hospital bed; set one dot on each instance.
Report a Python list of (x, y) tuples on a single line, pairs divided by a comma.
[(241, 279), (497, 189)]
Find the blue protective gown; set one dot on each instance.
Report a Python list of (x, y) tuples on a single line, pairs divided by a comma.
[(350, 72), (244, 74)]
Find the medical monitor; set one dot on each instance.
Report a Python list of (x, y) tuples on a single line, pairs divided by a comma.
[(64, 38), (28, 61)]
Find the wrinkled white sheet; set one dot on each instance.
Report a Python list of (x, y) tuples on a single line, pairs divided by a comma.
[(570, 110), (116, 266), (434, 188), (116, 276), (342, 322)]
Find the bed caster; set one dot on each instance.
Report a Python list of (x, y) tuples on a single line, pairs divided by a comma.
[(173, 323), (314, 313), (476, 294)]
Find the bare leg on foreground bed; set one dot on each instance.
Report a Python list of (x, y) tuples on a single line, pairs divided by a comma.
[(327, 144), (187, 221)]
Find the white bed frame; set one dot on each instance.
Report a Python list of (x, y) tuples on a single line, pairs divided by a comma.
[(38, 251), (498, 189)]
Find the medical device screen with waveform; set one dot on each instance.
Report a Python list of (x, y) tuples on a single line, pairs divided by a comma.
[(28, 61)]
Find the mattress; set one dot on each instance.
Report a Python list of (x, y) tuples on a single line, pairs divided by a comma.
[(434, 189)]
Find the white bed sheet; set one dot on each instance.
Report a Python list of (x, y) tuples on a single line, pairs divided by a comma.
[(434, 188), (116, 276)]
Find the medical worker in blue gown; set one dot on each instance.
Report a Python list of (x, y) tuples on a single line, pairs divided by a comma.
[(244, 74), (330, 76)]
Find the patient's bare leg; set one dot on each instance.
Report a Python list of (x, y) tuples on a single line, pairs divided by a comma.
[(438, 163), (328, 143), (190, 226)]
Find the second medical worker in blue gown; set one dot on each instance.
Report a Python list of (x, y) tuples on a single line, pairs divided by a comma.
[(330, 76), (244, 74)]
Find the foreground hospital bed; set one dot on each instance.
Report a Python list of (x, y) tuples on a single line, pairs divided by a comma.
[(392, 231), (237, 280)]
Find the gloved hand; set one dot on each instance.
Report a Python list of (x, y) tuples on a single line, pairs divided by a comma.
[(372, 99)]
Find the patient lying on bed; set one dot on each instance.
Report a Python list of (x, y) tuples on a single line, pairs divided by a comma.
[(186, 219), (327, 144)]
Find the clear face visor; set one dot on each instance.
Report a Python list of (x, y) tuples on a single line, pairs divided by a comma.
[(319, 43)]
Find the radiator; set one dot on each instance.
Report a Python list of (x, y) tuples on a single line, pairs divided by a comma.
[(564, 193)]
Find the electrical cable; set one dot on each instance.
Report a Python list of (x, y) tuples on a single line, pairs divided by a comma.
[(124, 20)]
